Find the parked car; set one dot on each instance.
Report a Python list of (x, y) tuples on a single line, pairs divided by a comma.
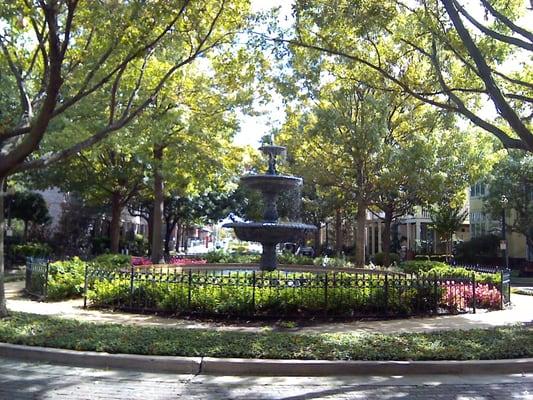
[(305, 251)]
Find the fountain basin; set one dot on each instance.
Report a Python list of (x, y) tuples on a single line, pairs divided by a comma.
[(269, 232)]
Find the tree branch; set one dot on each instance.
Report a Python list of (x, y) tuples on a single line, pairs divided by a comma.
[(510, 24), (494, 93)]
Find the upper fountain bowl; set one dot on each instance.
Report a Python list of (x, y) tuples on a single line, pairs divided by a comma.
[(272, 150), (267, 183)]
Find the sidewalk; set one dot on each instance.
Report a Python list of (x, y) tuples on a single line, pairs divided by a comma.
[(521, 311)]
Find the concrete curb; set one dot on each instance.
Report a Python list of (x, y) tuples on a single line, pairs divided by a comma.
[(93, 359), (260, 367), (237, 366)]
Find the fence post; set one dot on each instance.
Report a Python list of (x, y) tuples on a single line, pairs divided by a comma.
[(85, 285), (501, 290), (508, 271), (45, 291), (131, 286), (189, 291), (253, 292), (326, 293), (435, 293), (386, 294), (474, 299)]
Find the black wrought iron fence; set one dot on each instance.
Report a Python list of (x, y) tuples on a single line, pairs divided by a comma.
[(37, 270), (280, 293)]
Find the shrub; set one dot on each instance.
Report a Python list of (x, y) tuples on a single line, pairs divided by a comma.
[(459, 296), (290, 258), (112, 262), (66, 279), (481, 246), (418, 266), (433, 257), (220, 256), (275, 294), (332, 262), (31, 250), (139, 246), (429, 268), (379, 257)]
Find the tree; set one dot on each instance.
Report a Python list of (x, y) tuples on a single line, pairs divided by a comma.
[(109, 173), (28, 207), (59, 56), (446, 219), (383, 152), (512, 177), (438, 52)]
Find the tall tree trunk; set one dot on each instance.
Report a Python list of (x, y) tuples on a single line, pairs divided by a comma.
[(25, 234), (169, 228), (317, 239), (157, 240), (360, 234), (114, 229), (386, 237), (150, 222), (178, 237), (338, 232), (3, 307), (185, 241)]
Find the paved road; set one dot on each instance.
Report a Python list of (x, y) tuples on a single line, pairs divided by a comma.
[(23, 380)]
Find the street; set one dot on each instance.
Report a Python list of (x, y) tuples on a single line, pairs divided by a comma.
[(24, 380)]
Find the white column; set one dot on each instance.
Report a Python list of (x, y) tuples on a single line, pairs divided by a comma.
[(408, 229), (367, 244), (417, 232), (379, 236), (372, 238)]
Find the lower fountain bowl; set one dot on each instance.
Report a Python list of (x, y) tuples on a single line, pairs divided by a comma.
[(269, 232)]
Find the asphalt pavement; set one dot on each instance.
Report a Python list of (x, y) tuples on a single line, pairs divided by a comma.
[(20, 380)]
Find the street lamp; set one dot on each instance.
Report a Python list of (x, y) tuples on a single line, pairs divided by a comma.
[(503, 245)]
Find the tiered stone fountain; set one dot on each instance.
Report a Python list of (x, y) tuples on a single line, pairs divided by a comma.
[(270, 232)]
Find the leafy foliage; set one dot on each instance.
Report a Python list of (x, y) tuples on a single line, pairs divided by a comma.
[(512, 177), (432, 268), (31, 250), (65, 279)]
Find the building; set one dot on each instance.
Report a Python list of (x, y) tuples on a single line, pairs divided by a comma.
[(413, 233), (482, 223)]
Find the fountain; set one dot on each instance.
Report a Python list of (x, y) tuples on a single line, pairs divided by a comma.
[(270, 232)]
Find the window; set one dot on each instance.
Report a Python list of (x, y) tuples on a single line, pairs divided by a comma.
[(478, 190)]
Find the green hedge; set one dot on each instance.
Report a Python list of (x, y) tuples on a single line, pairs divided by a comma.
[(66, 279), (112, 262), (275, 294), (433, 257), (429, 268), (31, 250), (379, 257)]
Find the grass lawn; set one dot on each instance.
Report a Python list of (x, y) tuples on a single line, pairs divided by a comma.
[(38, 330)]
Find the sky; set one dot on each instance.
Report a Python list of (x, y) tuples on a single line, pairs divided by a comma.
[(253, 128)]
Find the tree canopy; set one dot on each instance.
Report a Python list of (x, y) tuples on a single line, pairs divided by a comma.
[(455, 57)]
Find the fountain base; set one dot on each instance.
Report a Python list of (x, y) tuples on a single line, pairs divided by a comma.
[(269, 260)]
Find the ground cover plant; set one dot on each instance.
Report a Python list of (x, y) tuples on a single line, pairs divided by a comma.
[(38, 330)]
